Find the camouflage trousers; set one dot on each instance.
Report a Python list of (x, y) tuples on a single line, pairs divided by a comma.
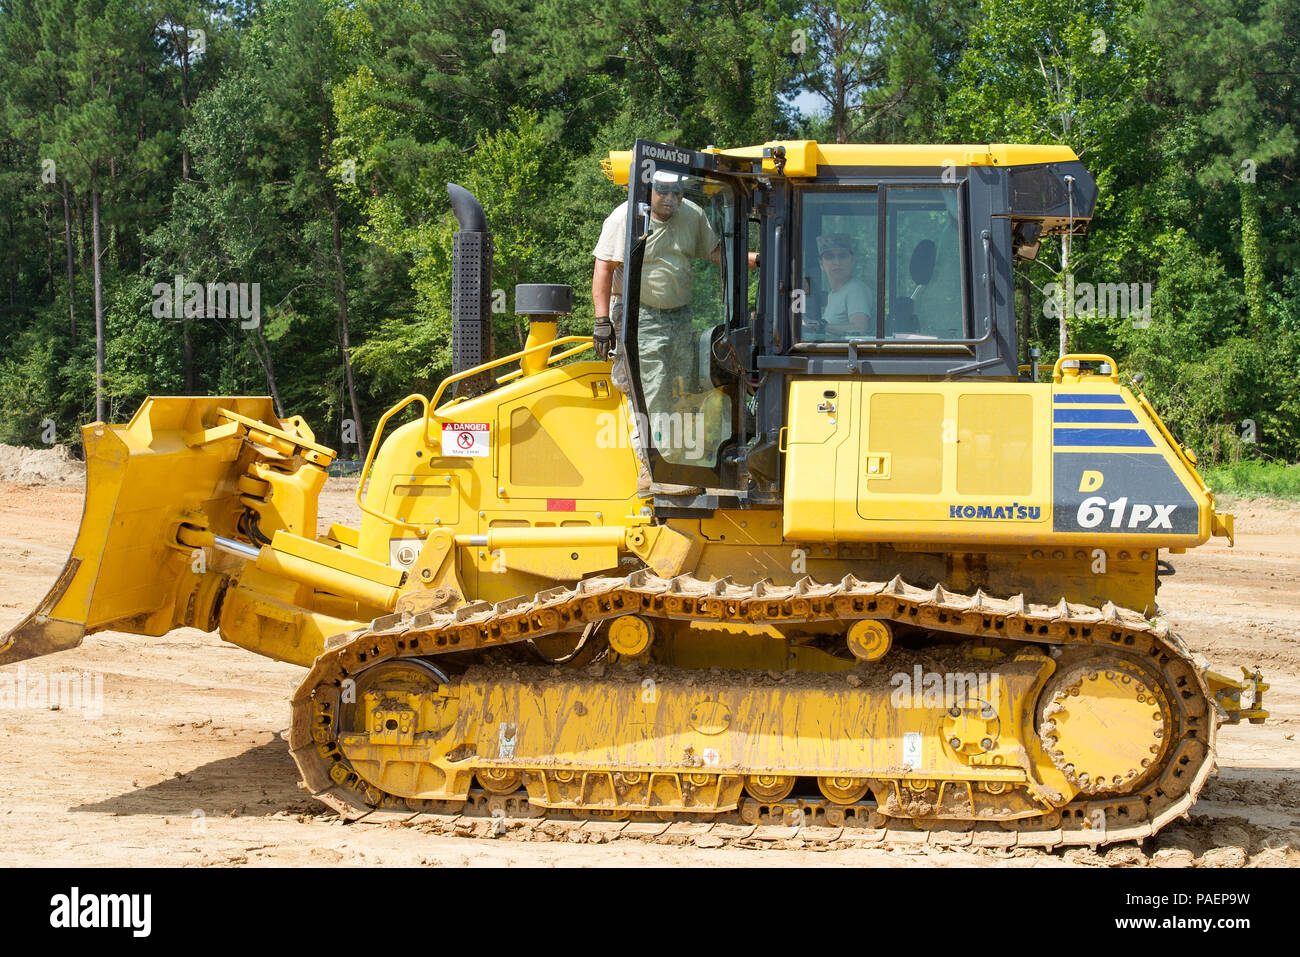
[(665, 345), (666, 349)]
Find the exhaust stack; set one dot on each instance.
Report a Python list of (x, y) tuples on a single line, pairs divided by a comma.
[(471, 291)]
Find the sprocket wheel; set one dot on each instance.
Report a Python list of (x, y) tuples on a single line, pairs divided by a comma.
[(1104, 723)]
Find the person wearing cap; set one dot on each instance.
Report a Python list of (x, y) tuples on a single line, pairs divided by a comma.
[(848, 309), (679, 233)]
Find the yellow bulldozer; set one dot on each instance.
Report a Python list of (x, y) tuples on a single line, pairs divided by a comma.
[(825, 552)]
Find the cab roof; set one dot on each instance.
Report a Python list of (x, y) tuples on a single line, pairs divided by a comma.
[(803, 158)]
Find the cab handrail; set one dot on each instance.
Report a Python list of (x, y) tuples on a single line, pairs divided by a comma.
[(1077, 357), (370, 458), (435, 411)]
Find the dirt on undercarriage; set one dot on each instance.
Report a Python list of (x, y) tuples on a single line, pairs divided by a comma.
[(186, 764)]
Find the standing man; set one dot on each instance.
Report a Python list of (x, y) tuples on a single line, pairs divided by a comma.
[(679, 233)]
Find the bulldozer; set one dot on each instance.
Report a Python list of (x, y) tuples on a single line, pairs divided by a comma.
[(886, 579)]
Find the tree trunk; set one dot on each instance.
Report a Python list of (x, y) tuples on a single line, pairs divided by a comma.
[(187, 355), (187, 327), (521, 328), (49, 265), (86, 245), (1067, 301), (67, 241), (1064, 329), (100, 413), (185, 96), (841, 108), (344, 333), (268, 367)]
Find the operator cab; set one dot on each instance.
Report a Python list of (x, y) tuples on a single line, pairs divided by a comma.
[(874, 262)]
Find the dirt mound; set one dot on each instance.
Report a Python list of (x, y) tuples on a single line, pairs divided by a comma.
[(50, 466)]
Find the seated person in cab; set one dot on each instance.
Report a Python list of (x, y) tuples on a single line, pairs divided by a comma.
[(850, 302)]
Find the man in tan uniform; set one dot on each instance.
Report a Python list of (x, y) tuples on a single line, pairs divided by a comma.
[(679, 233)]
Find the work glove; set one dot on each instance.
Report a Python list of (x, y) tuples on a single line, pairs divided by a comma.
[(602, 334)]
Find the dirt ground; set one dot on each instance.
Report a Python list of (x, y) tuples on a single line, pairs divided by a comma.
[(187, 765)]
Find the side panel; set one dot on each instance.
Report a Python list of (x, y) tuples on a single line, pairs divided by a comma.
[(939, 449), (552, 450), (976, 463), (1115, 474)]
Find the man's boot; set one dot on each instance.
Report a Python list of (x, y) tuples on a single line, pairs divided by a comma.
[(645, 488)]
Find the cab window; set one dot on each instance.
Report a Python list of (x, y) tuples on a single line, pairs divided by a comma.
[(923, 264), (880, 263), (840, 232)]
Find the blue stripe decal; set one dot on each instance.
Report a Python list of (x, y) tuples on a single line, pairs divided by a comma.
[(1095, 415), (1132, 438), (1108, 398)]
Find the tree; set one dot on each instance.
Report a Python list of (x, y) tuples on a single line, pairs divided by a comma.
[(881, 68), (266, 205), (1076, 76), (1233, 63)]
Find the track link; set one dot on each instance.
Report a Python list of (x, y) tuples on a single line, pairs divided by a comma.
[(1167, 794)]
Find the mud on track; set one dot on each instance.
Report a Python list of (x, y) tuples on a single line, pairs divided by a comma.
[(187, 766)]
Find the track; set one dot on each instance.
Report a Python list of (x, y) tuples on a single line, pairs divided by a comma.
[(1164, 793)]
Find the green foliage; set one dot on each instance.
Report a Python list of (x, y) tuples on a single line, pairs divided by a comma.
[(1252, 264), (28, 387), (1143, 93), (144, 353), (1252, 478), (308, 146), (881, 69)]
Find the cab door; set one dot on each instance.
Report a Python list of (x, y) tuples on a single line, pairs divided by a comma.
[(683, 295)]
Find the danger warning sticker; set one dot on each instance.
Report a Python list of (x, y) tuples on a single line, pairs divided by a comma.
[(466, 438)]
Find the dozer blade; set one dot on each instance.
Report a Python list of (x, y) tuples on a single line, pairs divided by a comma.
[(179, 460), (39, 634)]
